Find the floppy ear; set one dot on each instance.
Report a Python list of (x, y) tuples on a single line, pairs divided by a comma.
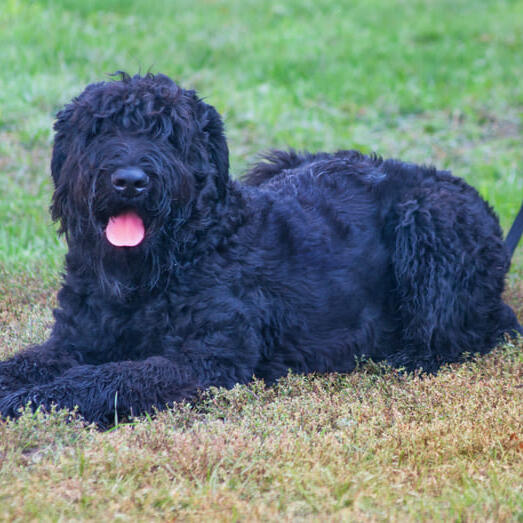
[(211, 125), (217, 141), (68, 139), (62, 143), (61, 140)]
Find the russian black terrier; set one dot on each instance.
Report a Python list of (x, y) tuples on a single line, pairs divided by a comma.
[(179, 278)]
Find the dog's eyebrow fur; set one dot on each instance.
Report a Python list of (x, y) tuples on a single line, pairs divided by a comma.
[(312, 262)]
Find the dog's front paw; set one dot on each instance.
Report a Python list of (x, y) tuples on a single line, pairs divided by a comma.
[(11, 404)]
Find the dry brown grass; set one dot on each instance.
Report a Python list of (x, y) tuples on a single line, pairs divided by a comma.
[(371, 445)]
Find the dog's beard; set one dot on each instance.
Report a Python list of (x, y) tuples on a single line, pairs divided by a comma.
[(125, 266), (124, 271)]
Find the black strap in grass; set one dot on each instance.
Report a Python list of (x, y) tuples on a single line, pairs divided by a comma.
[(514, 235)]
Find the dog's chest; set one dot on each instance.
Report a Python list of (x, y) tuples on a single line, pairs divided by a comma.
[(141, 329)]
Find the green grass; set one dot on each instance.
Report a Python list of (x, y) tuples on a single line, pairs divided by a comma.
[(429, 81), (433, 82)]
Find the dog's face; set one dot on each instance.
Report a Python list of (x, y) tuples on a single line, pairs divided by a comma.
[(133, 161)]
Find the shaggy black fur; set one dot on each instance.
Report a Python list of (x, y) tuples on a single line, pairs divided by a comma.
[(314, 261)]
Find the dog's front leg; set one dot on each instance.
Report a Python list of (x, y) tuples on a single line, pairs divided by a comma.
[(35, 365), (105, 392)]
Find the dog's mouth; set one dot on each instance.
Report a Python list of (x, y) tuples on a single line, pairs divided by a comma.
[(125, 229)]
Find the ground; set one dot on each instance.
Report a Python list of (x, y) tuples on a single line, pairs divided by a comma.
[(429, 82)]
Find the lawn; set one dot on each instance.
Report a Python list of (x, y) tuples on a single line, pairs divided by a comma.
[(429, 81)]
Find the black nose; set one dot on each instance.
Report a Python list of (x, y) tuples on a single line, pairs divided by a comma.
[(129, 181)]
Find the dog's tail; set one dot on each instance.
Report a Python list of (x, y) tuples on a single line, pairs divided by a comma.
[(514, 235)]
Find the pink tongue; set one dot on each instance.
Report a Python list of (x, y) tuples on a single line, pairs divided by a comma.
[(125, 230)]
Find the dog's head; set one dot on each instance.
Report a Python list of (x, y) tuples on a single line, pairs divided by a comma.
[(134, 160)]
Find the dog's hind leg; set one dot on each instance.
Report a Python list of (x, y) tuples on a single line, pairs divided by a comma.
[(449, 264)]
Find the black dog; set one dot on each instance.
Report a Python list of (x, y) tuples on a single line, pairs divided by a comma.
[(178, 278)]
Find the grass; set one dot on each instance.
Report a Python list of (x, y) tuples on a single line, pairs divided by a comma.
[(429, 81), (371, 445), (433, 82)]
